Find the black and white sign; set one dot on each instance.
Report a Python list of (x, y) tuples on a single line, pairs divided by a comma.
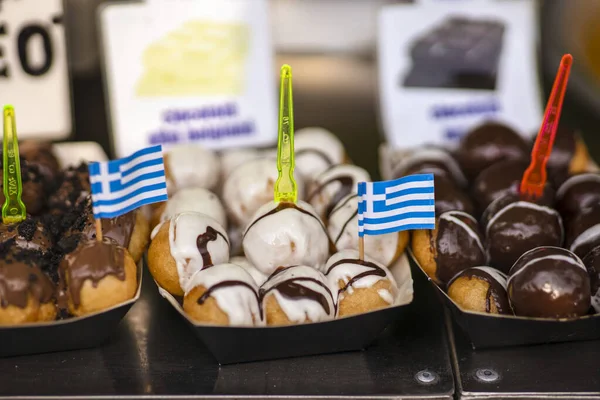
[(33, 67)]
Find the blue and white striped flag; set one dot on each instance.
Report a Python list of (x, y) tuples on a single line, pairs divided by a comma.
[(398, 205), (120, 186)]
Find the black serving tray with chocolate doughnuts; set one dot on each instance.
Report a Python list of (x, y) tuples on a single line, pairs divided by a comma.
[(68, 334), (230, 344), (487, 330)]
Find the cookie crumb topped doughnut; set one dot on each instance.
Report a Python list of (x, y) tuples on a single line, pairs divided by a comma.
[(481, 289), (224, 294), (359, 286), (549, 282), (296, 295), (185, 244)]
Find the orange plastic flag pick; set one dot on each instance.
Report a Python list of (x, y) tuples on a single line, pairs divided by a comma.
[(534, 178)]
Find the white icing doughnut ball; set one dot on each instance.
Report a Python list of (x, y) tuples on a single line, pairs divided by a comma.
[(196, 200), (243, 262), (189, 165), (316, 149), (285, 234)]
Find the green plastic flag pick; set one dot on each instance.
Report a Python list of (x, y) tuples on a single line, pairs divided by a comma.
[(13, 210), (285, 187)]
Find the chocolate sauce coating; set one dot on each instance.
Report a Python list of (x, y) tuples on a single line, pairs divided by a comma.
[(202, 241), (456, 248), (347, 185), (578, 192), (563, 151), (496, 293), (592, 263), (280, 207), (583, 231), (375, 270), (292, 290), (549, 282), (225, 284), (92, 261), (519, 227), (489, 144), (29, 234), (497, 180), (448, 197), (431, 160), (20, 277)]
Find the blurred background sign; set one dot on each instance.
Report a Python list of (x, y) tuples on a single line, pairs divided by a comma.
[(33, 67), (189, 71)]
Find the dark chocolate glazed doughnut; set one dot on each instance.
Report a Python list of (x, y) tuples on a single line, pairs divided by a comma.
[(449, 197), (458, 244), (466, 295), (578, 192), (592, 263), (431, 160), (488, 144), (549, 282), (497, 180), (563, 151), (518, 227), (583, 230)]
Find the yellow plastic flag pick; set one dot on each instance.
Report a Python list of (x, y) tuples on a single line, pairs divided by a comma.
[(285, 187), (13, 210)]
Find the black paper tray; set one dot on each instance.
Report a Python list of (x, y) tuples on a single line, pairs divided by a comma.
[(231, 345), (69, 334), (485, 330)]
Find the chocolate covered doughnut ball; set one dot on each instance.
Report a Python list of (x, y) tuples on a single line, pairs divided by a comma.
[(449, 197), (185, 244), (455, 245), (296, 295), (549, 282), (333, 185), (224, 294), (286, 234), (583, 230), (488, 144), (481, 289), (496, 181), (96, 276), (592, 263), (577, 193), (518, 227), (359, 286), (26, 293), (42, 155), (431, 160)]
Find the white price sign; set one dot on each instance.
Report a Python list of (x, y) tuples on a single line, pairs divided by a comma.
[(189, 71), (33, 67)]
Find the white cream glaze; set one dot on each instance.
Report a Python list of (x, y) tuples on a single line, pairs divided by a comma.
[(192, 166), (239, 302), (432, 154), (348, 270), (495, 274), (324, 189), (316, 149), (285, 238), (342, 226), (249, 186), (572, 181), (589, 235), (243, 262), (450, 216), (184, 230), (567, 257), (196, 200), (298, 309), (232, 158)]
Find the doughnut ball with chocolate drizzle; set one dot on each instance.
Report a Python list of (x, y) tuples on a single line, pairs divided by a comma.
[(243, 262), (343, 230), (514, 227), (549, 282), (577, 193), (333, 185), (97, 275), (183, 245), (224, 294), (453, 246), (191, 199), (583, 231), (296, 295), (316, 150), (592, 263), (249, 186), (26, 293), (286, 234), (488, 144), (359, 286), (480, 289)]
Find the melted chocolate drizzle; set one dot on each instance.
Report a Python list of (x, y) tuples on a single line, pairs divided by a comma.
[(18, 280), (202, 241), (226, 284), (376, 271), (347, 185), (280, 207), (292, 290)]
